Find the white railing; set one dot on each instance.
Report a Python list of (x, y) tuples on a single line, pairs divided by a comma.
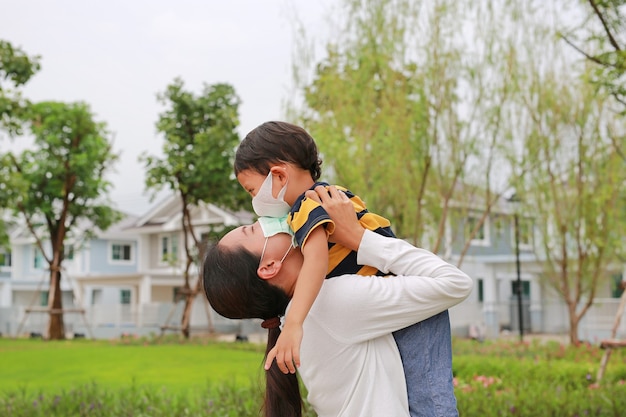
[(110, 321)]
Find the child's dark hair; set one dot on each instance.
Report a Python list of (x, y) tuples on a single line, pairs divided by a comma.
[(274, 142)]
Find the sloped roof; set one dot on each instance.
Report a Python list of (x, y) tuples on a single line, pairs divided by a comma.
[(167, 213)]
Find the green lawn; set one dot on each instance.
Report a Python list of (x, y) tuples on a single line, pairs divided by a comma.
[(200, 378), (55, 365)]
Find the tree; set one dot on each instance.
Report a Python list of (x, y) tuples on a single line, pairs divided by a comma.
[(569, 176), (408, 111), (58, 183), (430, 115), (16, 68), (200, 139), (599, 38), (573, 184)]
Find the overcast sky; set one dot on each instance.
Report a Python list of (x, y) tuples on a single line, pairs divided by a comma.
[(117, 55)]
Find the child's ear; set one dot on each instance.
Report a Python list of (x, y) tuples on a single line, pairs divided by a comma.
[(269, 269), (280, 171)]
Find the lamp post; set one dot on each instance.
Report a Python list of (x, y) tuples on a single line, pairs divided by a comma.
[(515, 199)]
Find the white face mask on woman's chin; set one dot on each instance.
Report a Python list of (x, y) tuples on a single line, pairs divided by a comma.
[(266, 205)]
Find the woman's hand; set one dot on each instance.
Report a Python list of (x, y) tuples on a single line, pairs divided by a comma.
[(348, 231)]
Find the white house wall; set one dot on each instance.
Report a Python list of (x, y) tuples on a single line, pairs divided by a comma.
[(163, 294), (152, 283), (5, 293), (145, 290)]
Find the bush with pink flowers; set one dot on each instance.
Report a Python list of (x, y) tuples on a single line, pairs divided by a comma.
[(508, 378)]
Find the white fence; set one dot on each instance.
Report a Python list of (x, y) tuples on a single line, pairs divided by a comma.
[(115, 320), (112, 321), (550, 317)]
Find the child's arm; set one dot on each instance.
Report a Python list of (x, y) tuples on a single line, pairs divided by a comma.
[(312, 275)]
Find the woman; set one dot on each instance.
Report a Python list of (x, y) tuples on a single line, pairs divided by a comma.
[(350, 362)]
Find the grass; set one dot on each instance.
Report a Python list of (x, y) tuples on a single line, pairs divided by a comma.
[(35, 365), (142, 377)]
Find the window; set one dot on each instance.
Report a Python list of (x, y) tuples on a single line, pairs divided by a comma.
[(499, 226), (169, 248), (480, 236), (178, 294), (616, 285), (525, 288), (43, 298), (125, 296), (526, 229), (121, 252), (38, 260), (481, 293), (96, 296), (69, 252), (5, 257)]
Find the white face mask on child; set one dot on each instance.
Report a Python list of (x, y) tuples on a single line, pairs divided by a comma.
[(266, 205)]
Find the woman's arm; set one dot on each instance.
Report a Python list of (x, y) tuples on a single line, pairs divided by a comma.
[(348, 231), (374, 306), (362, 308)]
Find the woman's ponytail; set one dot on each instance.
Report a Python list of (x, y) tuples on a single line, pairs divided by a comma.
[(282, 392), (235, 291)]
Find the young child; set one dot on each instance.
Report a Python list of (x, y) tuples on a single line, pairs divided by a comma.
[(284, 157), (276, 163)]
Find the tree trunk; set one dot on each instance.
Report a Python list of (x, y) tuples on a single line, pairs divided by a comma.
[(56, 327), (186, 319), (574, 320), (189, 304)]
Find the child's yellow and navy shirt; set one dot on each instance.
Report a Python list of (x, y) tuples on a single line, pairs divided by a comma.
[(307, 214)]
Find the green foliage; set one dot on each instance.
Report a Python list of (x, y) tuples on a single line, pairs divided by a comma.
[(136, 401), (199, 142), (409, 112), (369, 111), (531, 379), (200, 138), (4, 235), (573, 179), (16, 68), (58, 182), (540, 399), (15, 65), (599, 38), (431, 124), (62, 178), (493, 378)]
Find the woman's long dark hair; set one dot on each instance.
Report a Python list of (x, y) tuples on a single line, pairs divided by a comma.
[(235, 291)]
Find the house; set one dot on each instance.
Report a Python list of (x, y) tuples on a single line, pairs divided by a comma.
[(491, 260), (24, 281), (127, 279)]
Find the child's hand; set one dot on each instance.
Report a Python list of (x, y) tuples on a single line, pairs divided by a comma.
[(287, 349)]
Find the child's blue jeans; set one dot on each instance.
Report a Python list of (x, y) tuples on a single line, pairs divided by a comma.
[(426, 351)]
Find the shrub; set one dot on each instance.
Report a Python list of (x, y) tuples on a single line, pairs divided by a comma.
[(494, 378)]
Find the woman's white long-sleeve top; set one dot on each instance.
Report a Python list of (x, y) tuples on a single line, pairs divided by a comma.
[(350, 363)]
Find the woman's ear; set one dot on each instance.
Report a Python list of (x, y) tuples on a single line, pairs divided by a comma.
[(269, 269)]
